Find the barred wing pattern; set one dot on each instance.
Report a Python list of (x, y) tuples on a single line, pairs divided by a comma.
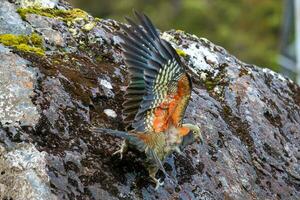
[(159, 87)]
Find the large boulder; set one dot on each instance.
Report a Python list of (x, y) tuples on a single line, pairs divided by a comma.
[(62, 71)]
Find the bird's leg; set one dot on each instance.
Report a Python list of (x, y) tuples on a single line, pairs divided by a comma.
[(152, 172), (177, 149), (123, 149), (154, 163)]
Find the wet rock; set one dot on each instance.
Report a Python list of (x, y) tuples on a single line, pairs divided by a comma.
[(249, 117)]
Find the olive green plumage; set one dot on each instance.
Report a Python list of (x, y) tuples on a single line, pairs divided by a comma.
[(155, 99)]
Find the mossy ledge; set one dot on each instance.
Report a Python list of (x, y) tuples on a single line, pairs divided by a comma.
[(64, 15), (27, 43)]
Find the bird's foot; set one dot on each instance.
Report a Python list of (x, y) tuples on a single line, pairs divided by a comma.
[(158, 183), (122, 150)]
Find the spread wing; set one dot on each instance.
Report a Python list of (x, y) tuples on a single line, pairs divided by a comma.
[(159, 88)]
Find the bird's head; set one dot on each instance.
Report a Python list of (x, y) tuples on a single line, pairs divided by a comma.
[(194, 133), (194, 129)]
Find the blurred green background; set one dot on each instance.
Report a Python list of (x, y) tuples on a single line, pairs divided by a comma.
[(249, 29)]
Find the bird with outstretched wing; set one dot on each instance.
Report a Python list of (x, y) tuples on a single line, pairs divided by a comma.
[(156, 97)]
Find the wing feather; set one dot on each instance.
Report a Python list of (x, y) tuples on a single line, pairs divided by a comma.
[(159, 87)]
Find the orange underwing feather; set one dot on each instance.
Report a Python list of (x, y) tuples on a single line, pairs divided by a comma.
[(183, 97)]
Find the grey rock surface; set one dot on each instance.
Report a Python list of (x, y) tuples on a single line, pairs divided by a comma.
[(17, 81), (23, 173), (10, 21), (249, 117), (36, 3)]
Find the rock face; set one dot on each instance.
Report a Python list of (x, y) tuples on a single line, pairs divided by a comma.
[(250, 117)]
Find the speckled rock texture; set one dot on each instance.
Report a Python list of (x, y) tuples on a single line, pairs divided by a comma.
[(249, 117)]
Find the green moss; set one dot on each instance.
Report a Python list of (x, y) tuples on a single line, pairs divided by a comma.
[(99, 58), (31, 49), (65, 15), (27, 43), (89, 26), (24, 11), (181, 52), (36, 40), (179, 31), (211, 82)]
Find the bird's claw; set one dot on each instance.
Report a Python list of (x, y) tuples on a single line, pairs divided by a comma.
[(158, 183), (122, 150)]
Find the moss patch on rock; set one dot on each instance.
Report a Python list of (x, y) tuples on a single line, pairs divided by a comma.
[(181, 52), (64, 15), (89, 26), (27, 43)]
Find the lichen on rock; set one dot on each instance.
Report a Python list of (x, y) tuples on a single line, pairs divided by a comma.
[(16, 89), (23, 168)]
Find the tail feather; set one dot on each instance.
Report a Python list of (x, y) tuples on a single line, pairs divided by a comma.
[(132, 139), (121, 134)]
